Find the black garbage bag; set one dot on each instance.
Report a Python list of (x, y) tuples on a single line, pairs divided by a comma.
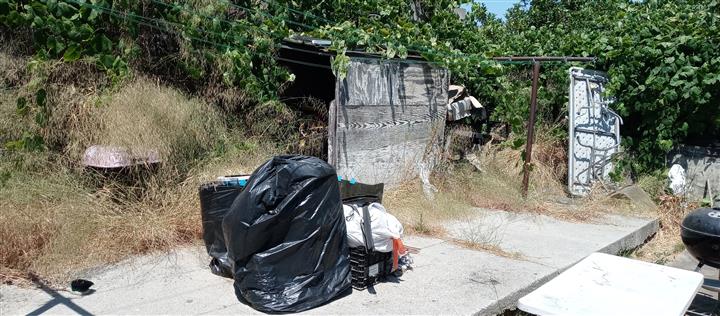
[(215, 202), (285, 235)]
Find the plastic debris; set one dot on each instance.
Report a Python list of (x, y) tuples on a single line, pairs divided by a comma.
[(286, 237), (677, 178), (401, 258), (429, 189), (112, 157), (385, 227), (461, 104), (81, 285)]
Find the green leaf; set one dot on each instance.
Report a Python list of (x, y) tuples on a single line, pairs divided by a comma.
[(675, 82), (4, 7), (103, 43), (54, 46), (517, 143), (38, 22), (72, 53), (710, 80), (65, 9), (33, 142), (684, 127), (21, 107), (93, 14), (665, 144), (41, 118), (40, 97), (106, 61)]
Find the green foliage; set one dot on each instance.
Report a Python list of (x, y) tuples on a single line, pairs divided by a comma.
[(28, 142), (31, 140), (112, 33), (63, 30), (664, 65), (661, 56), (237, 41)]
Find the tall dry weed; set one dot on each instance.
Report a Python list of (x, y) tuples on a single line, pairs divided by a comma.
[(57, 218), (492, 179), (667, 243)]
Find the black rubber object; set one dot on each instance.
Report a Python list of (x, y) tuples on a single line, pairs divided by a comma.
[(701, 235)]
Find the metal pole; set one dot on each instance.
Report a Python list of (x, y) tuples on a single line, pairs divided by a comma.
[(530, 128)]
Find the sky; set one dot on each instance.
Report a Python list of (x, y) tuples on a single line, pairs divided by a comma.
[(498, 7)]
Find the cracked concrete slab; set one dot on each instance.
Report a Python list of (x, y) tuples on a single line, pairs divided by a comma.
[(549, 241), (447, 278)]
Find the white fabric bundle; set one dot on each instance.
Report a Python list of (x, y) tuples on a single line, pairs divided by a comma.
[(384, 226)]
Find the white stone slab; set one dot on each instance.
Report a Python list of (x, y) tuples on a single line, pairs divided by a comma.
[(603, 284)]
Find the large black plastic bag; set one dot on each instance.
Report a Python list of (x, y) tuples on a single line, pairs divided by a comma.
[(285, 235), (215, 202)]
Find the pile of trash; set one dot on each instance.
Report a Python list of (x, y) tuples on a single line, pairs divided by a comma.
[(294, 236)]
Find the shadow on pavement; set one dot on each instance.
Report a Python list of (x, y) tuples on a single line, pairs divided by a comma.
[(57, 299), (704, 304)]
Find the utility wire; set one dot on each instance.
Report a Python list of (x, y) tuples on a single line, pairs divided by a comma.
[(237, 6), (142, 21), (308, 27), (413, 47), (417, 48), (146, 21), (304, 13), (200, 30)]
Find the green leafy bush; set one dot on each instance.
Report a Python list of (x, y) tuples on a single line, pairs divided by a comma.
[(664, 64), (661, 56)]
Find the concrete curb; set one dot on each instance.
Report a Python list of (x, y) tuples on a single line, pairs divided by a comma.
[(628, 242)]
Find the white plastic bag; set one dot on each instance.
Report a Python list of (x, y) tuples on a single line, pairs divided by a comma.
[(384, 227), (353, 224), (676, 175)]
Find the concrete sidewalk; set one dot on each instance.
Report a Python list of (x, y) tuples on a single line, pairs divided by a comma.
[(447, 279)]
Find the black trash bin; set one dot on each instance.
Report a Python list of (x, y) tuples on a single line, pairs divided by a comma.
[(215, 200)]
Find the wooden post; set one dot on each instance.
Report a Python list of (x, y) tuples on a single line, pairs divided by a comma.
[(530, 128)]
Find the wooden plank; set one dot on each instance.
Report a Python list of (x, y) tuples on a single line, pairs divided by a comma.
[(332, 128)]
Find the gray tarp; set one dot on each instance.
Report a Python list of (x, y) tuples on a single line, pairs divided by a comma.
[(387, 120)]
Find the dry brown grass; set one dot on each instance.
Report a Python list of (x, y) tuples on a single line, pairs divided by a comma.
[(666, 243), (492, 180), (56, 218), (55, 226), (421, 215), (13, 72), (489, 248), (145, 115), (12, 76)]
